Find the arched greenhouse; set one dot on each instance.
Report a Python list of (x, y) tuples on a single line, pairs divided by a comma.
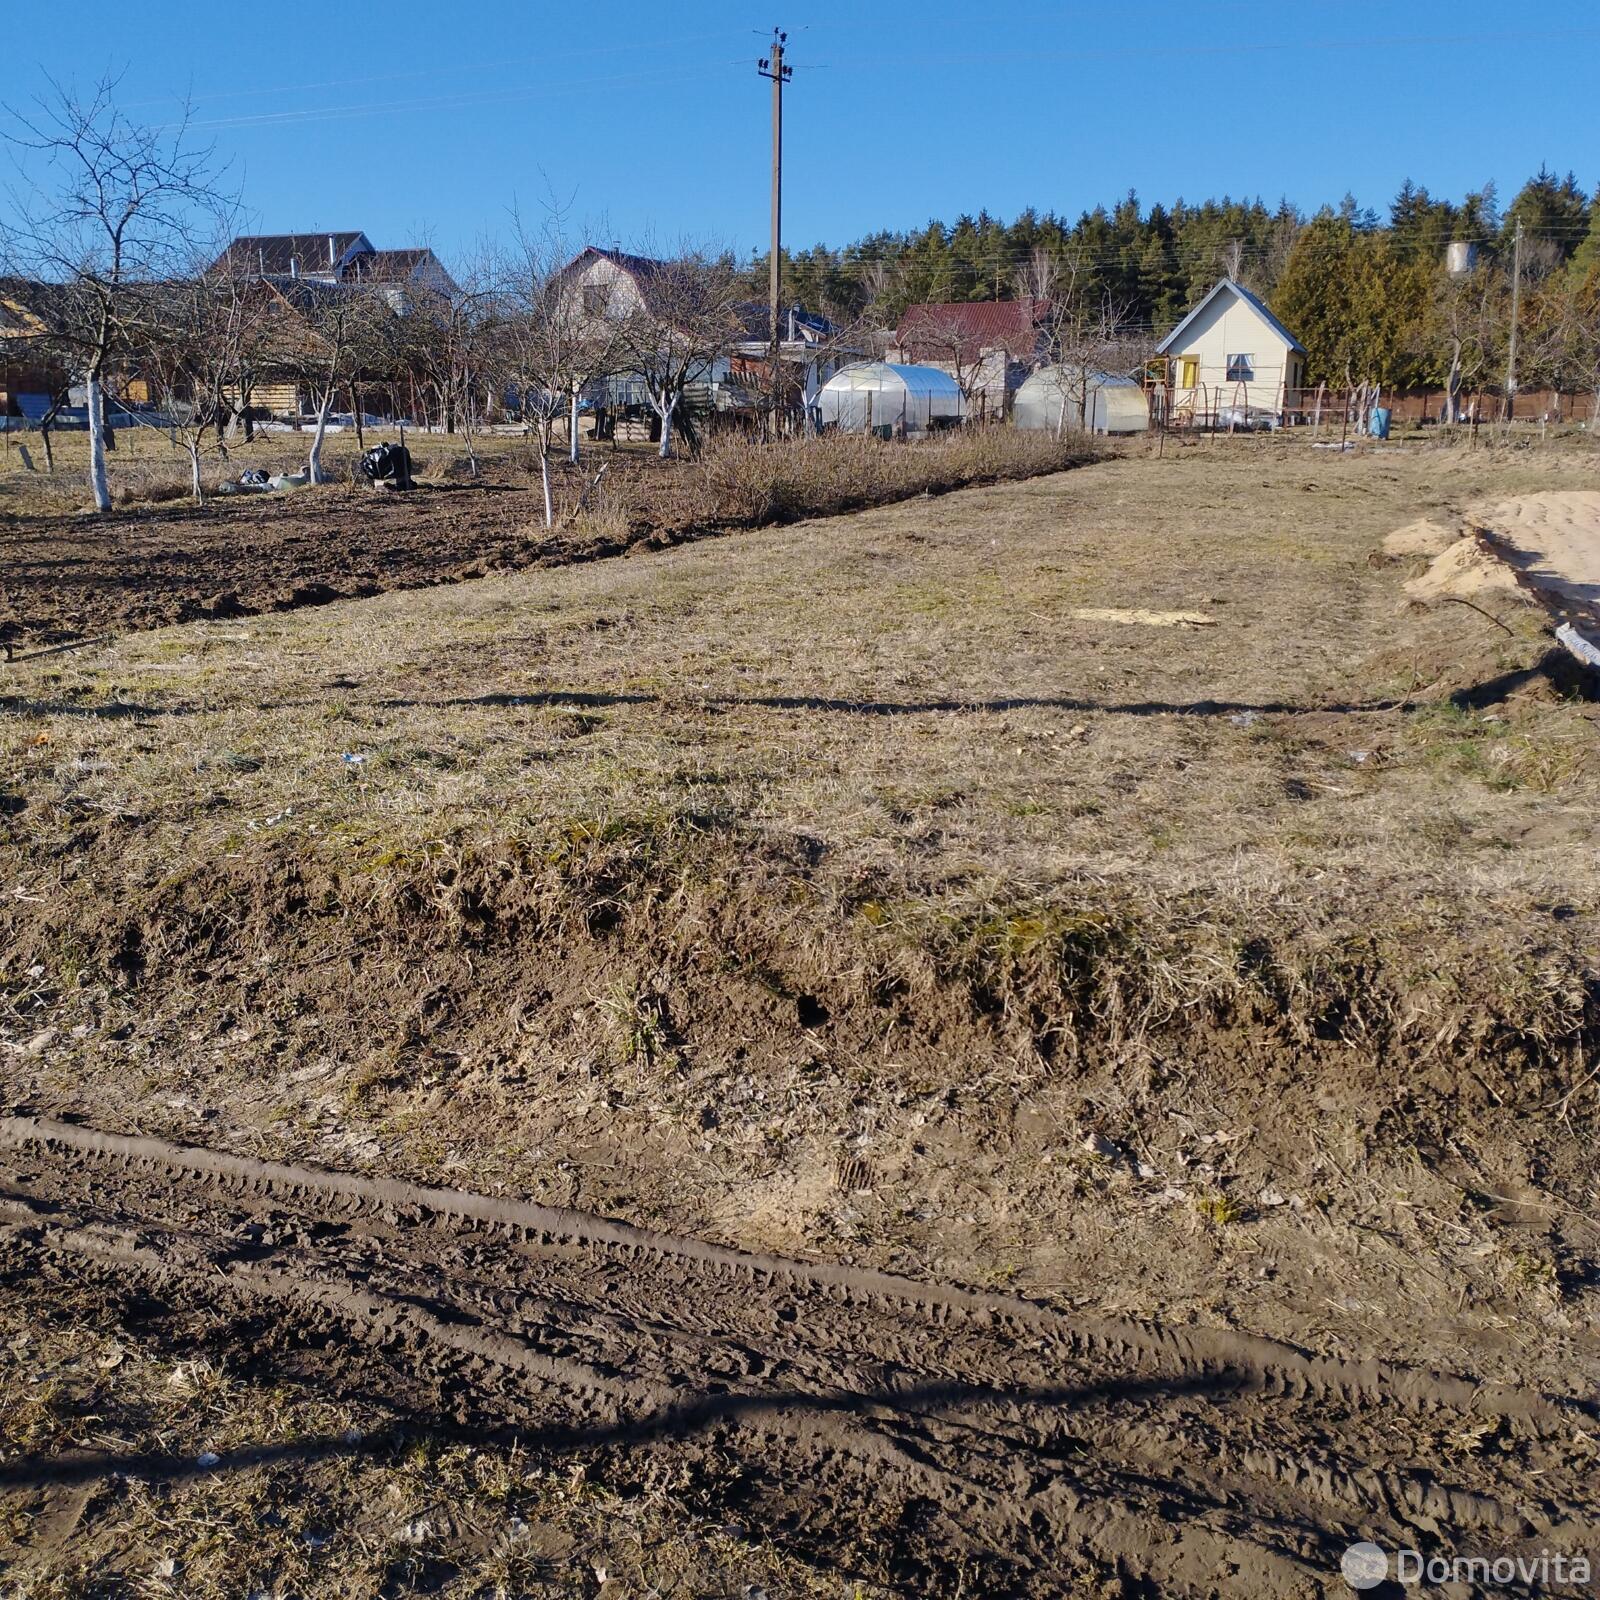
[(878, 397), (1071, 400)]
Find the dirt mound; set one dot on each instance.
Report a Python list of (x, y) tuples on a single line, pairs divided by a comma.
[(1424, 537), (1466, 569)]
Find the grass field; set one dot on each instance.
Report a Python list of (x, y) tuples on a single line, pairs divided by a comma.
[(908, 888)]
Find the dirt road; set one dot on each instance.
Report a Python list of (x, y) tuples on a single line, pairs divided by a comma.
[(989, 1439)]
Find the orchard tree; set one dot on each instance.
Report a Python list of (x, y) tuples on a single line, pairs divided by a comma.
[(106, 209), (684, 318)]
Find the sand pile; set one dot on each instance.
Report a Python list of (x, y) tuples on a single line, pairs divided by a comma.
[(1555, 539), (1465, 569), (1424, 537)]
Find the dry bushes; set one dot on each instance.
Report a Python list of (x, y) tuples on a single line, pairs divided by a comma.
[(740, 482), (749, 483)]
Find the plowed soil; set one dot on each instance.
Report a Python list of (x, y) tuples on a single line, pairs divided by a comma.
[(993, 1441), (64, 579)]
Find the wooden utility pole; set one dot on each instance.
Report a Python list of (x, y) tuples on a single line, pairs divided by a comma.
[(1516, 308), (772, 66)]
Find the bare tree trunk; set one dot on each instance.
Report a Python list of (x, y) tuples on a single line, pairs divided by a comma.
[(544, 474), (355, 410), (572, 426), (314, 461), (97, 445)]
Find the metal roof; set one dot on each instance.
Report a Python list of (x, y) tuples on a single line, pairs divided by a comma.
[(270, 254), (1253, 301), (971, 326)]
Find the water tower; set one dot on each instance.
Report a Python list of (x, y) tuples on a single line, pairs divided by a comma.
[(1461, 256)]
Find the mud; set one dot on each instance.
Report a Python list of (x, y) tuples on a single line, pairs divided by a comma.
[(984, 1440)]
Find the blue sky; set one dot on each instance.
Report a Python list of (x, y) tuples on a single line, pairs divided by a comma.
[(650, 121)]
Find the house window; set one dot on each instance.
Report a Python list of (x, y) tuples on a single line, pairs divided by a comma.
[(1241, 369), (596, 297)]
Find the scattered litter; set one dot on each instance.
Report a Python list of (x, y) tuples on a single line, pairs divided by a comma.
[(1101, 1147), (353, 760), (1358, 756), (1244, 719), (1346, 446), (36, 970), (207, 1459), (351, 1436), (1271, 1197), (112, 1359), (418, 1532), (289, 480), (167, 1567), (1151, 619), (1145, 1170)]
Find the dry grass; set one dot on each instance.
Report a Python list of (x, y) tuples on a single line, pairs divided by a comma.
[(650, 885)]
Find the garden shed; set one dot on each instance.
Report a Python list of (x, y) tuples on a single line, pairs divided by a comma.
[(1094, 402), (879, 397)]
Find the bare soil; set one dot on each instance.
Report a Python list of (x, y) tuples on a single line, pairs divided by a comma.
[(1155, 1066), (940, 1438)]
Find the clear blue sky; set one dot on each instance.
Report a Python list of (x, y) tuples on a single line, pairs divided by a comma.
[(420, 120)]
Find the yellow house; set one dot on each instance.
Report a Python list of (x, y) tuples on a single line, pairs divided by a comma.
[(1231, 352)]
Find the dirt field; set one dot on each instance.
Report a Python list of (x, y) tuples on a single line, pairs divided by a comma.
[(67, 575), (1107, 905)]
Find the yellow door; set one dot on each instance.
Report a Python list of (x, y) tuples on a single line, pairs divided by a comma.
[(1188, 372)]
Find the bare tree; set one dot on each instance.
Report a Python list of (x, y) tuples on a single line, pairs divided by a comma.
[(453, 338), (110, 209), (335, 331), (1465, 325), (203, 329), (684, 318), (942, 336)]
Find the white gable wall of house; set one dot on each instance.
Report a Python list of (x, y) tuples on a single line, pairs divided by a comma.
[(1232, 354), (603, 288)]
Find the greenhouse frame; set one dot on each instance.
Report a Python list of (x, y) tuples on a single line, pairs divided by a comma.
[(882, 398)]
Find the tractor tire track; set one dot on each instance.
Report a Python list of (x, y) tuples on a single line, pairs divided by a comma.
[(990, 1433)]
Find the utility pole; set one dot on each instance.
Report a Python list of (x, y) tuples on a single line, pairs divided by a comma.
[(772, 66), (1516, 307)]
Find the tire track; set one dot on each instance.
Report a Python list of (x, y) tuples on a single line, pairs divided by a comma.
[(1011, 1435)]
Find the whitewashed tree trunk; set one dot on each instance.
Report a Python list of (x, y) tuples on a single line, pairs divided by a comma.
[(544, 474), (97, 444), (572, 426), (194, 474), (666, 409), (314, 461)]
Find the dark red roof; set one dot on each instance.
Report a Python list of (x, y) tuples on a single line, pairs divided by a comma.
[(935, 330)]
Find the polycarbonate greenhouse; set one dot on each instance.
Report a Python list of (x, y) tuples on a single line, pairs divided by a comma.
[(1094, 402), (877, 396)]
